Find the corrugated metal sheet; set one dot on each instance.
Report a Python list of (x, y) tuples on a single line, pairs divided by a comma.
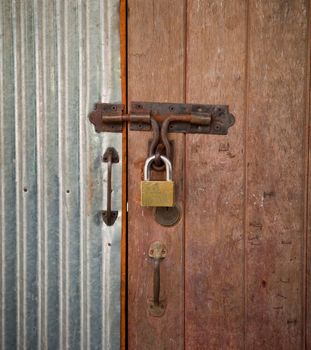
[(60, 265)]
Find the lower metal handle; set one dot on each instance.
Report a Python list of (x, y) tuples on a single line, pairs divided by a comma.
[(156, 282), (157, 252)]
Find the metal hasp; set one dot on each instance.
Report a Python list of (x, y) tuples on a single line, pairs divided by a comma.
[(157, 252), (110, 156), (174, 117)]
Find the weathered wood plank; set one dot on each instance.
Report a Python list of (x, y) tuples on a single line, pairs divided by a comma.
[(156, 36), (155, 73), (307, 311), (144, 331), (275, 174), (214, 253)]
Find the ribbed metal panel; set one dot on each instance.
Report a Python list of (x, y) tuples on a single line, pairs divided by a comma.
[(60, 264)]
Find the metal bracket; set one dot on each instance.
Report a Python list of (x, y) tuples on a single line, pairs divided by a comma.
[(157, 250), (189, 118), (106, 117)]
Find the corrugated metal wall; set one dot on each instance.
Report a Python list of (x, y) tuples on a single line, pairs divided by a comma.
[(60, 265)]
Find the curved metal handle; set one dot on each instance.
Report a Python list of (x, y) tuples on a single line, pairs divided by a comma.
[(157, 251), (110, 156), (156, 282)]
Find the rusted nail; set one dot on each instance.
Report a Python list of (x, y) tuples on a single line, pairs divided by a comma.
[(281, 296), (269, 194), (284, 281), (286, 242)]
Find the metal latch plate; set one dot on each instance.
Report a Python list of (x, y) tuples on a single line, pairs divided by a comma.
[(110, 116), (221, 119)]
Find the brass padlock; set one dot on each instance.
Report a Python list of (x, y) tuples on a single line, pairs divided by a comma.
[(157, 193)]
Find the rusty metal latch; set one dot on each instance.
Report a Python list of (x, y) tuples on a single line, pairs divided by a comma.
[(163, 118), (174, 117)]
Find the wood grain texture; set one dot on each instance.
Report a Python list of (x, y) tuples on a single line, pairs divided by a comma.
[(214, 248), (275, 174), (155, 73)]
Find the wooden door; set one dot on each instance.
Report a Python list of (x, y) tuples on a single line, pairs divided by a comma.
[(235, 274)]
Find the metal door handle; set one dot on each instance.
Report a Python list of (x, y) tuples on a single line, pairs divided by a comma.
[(157, 251), (156, 282), (110, 156)]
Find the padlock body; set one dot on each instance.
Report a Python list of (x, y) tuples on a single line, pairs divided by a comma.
[(157, 193)]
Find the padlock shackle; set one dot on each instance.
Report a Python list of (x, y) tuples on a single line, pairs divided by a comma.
[(168, 166)]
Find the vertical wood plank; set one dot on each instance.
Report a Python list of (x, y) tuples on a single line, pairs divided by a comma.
[(275, 174), (308, 193), (145, 331), (214, 253), (155, 73), (156, 35)]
